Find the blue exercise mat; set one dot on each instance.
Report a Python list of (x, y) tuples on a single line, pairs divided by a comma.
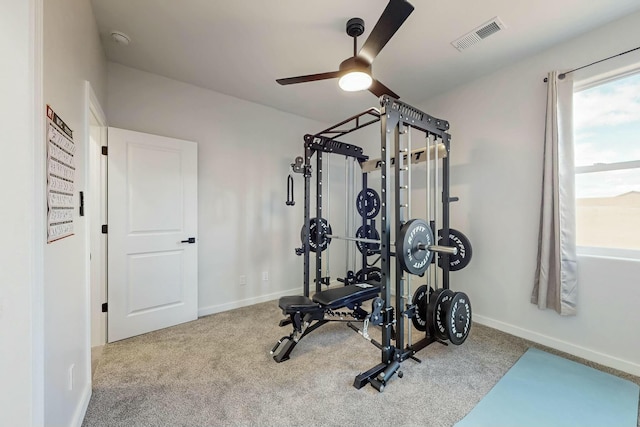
[(542, 389)]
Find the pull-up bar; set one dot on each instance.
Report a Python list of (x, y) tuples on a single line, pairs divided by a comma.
[(418, 155)]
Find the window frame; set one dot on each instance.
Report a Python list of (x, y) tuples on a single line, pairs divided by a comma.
[(616, 70)]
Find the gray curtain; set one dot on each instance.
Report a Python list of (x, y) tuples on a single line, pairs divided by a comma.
[(555, 283)]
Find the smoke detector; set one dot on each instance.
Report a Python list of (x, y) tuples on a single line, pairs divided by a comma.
[(120, 38), (478, 34)]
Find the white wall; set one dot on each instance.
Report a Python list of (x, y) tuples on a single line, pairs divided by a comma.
[(72, 54), (20, 261), (497, 124), (244, 150)]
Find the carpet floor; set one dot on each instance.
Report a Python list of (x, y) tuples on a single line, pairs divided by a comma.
[(217, 371)]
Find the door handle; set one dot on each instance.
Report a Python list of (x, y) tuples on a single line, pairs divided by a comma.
[(189, 240)]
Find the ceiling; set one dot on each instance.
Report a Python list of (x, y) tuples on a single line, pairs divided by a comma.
[(240, 47)]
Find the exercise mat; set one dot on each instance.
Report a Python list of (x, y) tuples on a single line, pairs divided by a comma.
[(542, 389)]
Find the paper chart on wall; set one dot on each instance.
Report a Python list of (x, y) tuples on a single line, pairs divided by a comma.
[(60, 177)]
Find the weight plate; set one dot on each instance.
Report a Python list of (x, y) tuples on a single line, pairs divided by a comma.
[(367, 232), (436, 312), (313, 240), (414, 234), (373, 273), (368, 203), (460, 241), (419, 318), (458, 318)]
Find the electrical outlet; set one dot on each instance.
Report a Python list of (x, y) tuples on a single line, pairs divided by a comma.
[(265, 276), (243, 280), (73, 365)]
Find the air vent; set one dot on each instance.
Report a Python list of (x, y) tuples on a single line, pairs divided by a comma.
[(478, 34)]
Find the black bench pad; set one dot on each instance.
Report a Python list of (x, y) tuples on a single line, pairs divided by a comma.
[(295, 303), (346, 295)]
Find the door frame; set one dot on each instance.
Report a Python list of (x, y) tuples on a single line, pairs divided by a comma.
[(96, 261)]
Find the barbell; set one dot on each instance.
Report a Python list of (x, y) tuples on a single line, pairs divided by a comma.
[(415, 243), (435, 248)]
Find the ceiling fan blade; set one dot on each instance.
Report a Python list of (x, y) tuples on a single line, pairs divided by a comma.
[(394, 15), (309, 78), (378, 89)]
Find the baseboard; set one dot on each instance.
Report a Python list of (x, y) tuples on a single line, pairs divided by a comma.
[(575, 350), (212, 309), (81, 411)]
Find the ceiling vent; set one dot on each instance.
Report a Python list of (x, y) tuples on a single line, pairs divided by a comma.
[(478, 34)]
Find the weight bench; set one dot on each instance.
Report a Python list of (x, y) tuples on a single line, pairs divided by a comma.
[(303, 311)]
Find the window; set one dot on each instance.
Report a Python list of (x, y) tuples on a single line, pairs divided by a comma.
[(607, 159)]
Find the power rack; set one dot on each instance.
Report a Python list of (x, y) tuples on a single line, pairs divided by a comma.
[(396, 119)]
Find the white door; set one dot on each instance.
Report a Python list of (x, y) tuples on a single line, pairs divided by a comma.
[(152, 214)]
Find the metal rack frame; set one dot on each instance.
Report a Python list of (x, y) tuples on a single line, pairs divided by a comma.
[(395, 118)]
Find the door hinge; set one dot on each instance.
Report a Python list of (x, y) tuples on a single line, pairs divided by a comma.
[(104, 228), (105, 306), (105, 151)]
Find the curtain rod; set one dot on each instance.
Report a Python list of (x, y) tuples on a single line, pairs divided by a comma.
[(563, 75)]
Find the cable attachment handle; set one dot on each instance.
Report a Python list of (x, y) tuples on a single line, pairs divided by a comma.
[(290, 201)]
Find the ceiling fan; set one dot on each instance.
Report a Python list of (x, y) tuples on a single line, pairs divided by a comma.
[(355, 72)]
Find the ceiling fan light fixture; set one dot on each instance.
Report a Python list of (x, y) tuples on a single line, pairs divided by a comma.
[(355, 73), (355, 81)]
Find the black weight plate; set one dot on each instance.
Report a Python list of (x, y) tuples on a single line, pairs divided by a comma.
[(436, 312), (419, 318), (368, 203), (373, 273), (458, 318), (412, 259), (367, 232), (460, 241), (324, 240)]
